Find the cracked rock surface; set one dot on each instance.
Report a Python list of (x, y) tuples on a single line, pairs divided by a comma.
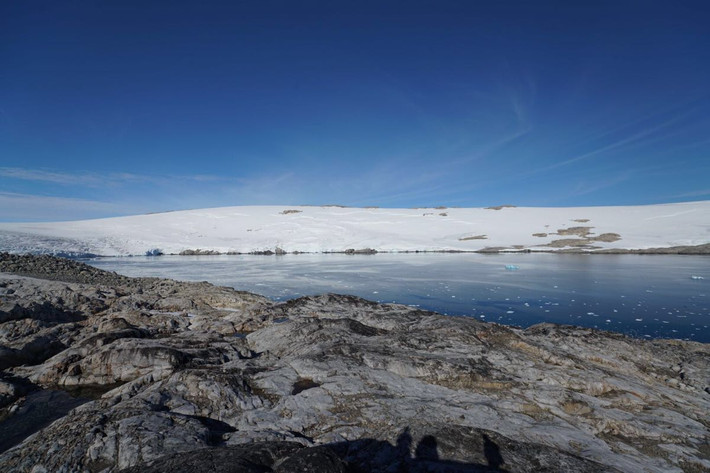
[(104, 373)]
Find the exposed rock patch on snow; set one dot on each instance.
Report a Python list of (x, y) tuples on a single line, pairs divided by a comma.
[(337, 229), (197, 378)]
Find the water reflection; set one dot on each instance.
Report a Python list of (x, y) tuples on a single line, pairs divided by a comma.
[(644, 296)]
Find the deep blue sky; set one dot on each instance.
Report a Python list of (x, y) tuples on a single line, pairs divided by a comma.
[(120, 107)]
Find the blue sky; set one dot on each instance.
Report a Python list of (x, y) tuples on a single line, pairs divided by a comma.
[(121, 107)]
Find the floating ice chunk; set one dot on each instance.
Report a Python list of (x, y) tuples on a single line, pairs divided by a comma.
[(512, 267), (697, 278)]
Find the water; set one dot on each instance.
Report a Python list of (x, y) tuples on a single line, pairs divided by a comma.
[(643, 296)]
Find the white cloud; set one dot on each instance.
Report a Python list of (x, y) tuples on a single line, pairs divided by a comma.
[(129, 194), (27, 207), (633, 140), (94, 180), (50, 176), (696, 193), (588, 187)]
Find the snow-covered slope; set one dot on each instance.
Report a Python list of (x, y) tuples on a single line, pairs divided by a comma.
[(321, 229)]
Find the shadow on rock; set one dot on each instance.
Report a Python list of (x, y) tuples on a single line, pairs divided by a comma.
[(367, 455), (45, 311), (456, 448), (376, 455), (39, 409), (258, 457)]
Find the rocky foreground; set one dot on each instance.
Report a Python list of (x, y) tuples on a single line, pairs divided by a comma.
[(104, 373)]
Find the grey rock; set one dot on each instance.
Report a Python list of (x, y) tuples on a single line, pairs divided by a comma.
[(198, 252), (315, 459), (253, 458), (193, 377), (36, 410), (361, 251)]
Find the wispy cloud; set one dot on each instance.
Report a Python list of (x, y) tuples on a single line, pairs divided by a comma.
[(127, 194), (635, 139), (92, 179), (50, 176), (24, 207), (521, 97), (395, 197), (589, 187), (696, 193), (492, 147), (266, 189)]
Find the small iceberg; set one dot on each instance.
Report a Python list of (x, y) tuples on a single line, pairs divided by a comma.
[(697, 278), (512, 267)]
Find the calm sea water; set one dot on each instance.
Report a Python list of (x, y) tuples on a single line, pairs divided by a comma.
[(643, 296)]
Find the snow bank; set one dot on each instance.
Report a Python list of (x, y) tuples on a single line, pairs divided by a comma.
[(335, 229)]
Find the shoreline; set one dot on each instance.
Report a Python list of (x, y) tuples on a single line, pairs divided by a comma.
[(691, 250), (328, 383)]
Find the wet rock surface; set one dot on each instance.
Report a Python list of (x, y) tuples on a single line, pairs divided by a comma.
[(160, 375)]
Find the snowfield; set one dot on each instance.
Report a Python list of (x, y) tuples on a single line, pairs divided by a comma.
[(336, 229)]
